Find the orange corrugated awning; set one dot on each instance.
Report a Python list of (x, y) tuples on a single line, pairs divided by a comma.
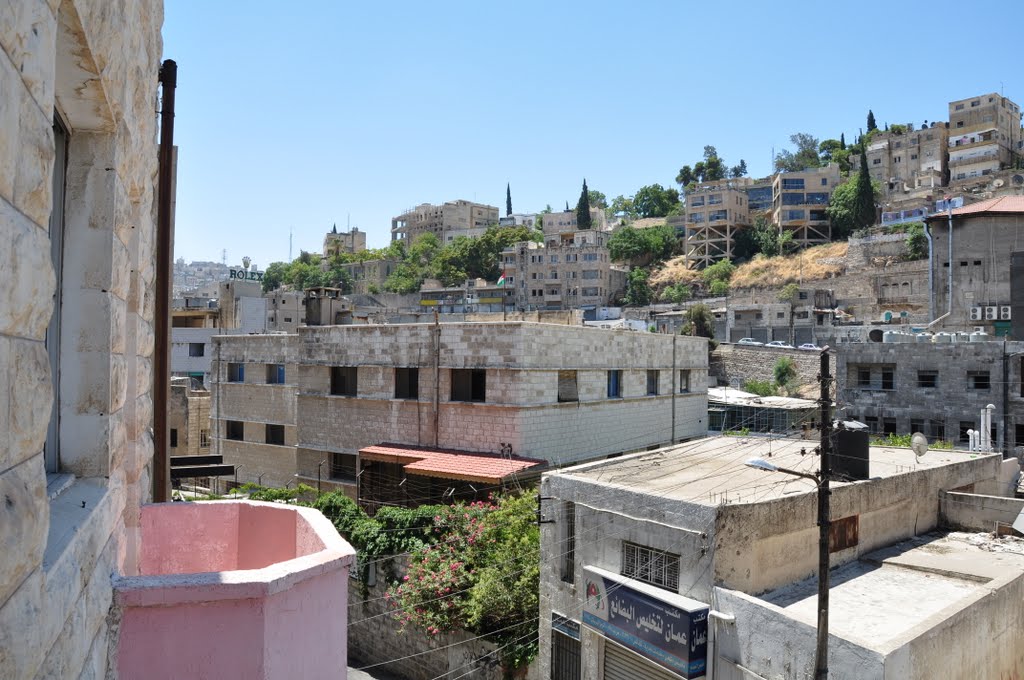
[(468, 466)]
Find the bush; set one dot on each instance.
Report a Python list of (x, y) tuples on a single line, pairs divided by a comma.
[(762, 388), (720, 288), (784, 371)]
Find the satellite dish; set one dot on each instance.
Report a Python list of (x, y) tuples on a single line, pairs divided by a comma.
[(997, 183), (1018, 179), (919, 444)]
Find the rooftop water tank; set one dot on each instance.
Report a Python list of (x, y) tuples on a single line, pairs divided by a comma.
[(943, 337), (979, 336), (923, 337), (889, 336)]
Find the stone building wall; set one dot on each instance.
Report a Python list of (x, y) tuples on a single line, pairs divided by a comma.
[(94, 65), (734, 365)]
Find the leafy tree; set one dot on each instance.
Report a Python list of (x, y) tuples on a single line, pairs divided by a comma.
[(871, 121), (598, 200), (784, 371), (898, 129), (622, 207), (719, 271), (655, 201), (843, 207), (864, 203), (676, 293), (638, 290), (508, 199), (917, 242), (654, 244), (699, 322), (842, 141), (762, 388), (827, 149), (274, 275), (738, 171), (805, 156), (583, 220), (789, 292), (719, 288), (686, 176), (547, 210)]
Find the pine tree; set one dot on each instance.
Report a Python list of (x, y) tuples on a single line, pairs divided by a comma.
[(583, 209), (842, 140), (864, 200), (508, 199), (871, 121), (567, 208)]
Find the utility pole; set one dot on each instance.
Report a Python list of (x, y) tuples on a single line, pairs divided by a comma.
[(824, 521)]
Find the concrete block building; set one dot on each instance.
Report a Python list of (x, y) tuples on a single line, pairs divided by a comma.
[(984, 136), (685, 562), (937, 389), (799, 200), (445, 221), (350, 242), (188, 418), (306, 404), (715, 214)]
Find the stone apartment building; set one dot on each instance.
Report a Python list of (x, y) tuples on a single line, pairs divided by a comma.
[(188, 418), (78, 165), (350, 242), (445, 221), (685, 562), (306, 404), (911, 166), (527, 220), (565, 222), (369, 276), (984, 136), (715, 214), (799, 200), (937, 389)]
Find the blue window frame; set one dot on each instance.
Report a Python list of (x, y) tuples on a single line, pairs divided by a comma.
[(792, 183)]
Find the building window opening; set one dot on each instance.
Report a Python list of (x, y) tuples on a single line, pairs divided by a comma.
[(275, 374), (343, 466), (614, 384), (652, 383), (407, 383), (652, 566), (569, 543), (344, 380), (469, 384), (684, 382), (275, 434), (979, 380), (174, 438), (927, 379), (196, 349), (234, 430), (568, 388), (236, 372)]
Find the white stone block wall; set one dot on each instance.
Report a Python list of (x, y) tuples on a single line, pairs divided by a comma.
[(95, 65)]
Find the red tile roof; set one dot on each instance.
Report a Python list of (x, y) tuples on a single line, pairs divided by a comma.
[(467, 466), (1003, 204)]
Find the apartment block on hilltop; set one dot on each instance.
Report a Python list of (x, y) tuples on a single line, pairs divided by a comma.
[(369, 276), (715, 214), (307, 404), (566, 222), (911, 165), (984, 136), (350, 242), (445, 221), (799, 200)]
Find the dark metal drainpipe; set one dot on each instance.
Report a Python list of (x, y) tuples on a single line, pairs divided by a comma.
[(164, 254)]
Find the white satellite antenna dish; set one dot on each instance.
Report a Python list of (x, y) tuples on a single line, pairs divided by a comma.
[(919, 444)]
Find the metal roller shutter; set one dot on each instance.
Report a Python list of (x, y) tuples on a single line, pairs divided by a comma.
[(622, 664)]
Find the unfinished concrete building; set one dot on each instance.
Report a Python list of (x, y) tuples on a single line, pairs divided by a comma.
[(715, 213), (799, 200), (306, 404), (984, 136), (445, 221)]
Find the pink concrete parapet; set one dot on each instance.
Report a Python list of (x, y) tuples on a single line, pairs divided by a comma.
[(235, 589)]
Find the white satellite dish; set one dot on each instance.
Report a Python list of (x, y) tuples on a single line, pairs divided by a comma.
[(919, 444)]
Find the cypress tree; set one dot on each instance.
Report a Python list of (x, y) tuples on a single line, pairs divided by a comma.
[(842, 140), (871, 121), (864, 199), (567, 206), (583, 209), (508, 199)]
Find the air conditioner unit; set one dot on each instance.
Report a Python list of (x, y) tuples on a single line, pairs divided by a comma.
[(975, 313), (979, 329), (991, 313), (1004, 312)]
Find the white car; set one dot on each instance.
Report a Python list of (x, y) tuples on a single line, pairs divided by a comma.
[(749, 341), (779, 343), (809, 346)]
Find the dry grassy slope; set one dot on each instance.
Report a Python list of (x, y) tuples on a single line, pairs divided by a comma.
[(819, 262)]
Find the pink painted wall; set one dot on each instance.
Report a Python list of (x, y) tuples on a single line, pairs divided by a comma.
[(235, 590)]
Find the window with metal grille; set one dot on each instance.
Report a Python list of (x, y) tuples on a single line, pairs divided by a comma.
[(204, 439), (565, 656), (569, 547), (650, 566)]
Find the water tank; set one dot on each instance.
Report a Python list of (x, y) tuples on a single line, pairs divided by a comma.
[(943, 337), (962, 337), (979, 336), (904, 337), (923, 337), (850, 461), (889, 336)]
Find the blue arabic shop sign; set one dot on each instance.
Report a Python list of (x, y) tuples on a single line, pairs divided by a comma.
[(673, 636)]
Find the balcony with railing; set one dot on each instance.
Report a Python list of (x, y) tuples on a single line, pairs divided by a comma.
[(235, 589)]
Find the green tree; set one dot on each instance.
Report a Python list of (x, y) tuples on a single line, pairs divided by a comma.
[(789, 292), (762, 388), (676, 293), (805, 156), (871, 121), (638, 290), (784, 371), (622, 207), (738, 171), (583, 220), (917, 242), (685, 176), (699, 322), (653, 244), (842, 207), (274, 275), (719, 271), (842, 141), (864, 202), (598, 200), (655, 201), (508, 199)]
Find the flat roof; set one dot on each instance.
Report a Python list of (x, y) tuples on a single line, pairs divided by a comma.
[(888, 593), (736, 397), (713, 470)]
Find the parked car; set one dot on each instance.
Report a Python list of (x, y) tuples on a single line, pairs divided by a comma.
[(809, 346), (749, 341), (779, 343)]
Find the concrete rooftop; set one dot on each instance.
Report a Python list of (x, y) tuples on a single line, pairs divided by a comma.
[(888, 593), (712, 470)]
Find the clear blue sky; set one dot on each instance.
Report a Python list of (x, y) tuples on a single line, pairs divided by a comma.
[(303, 114)]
